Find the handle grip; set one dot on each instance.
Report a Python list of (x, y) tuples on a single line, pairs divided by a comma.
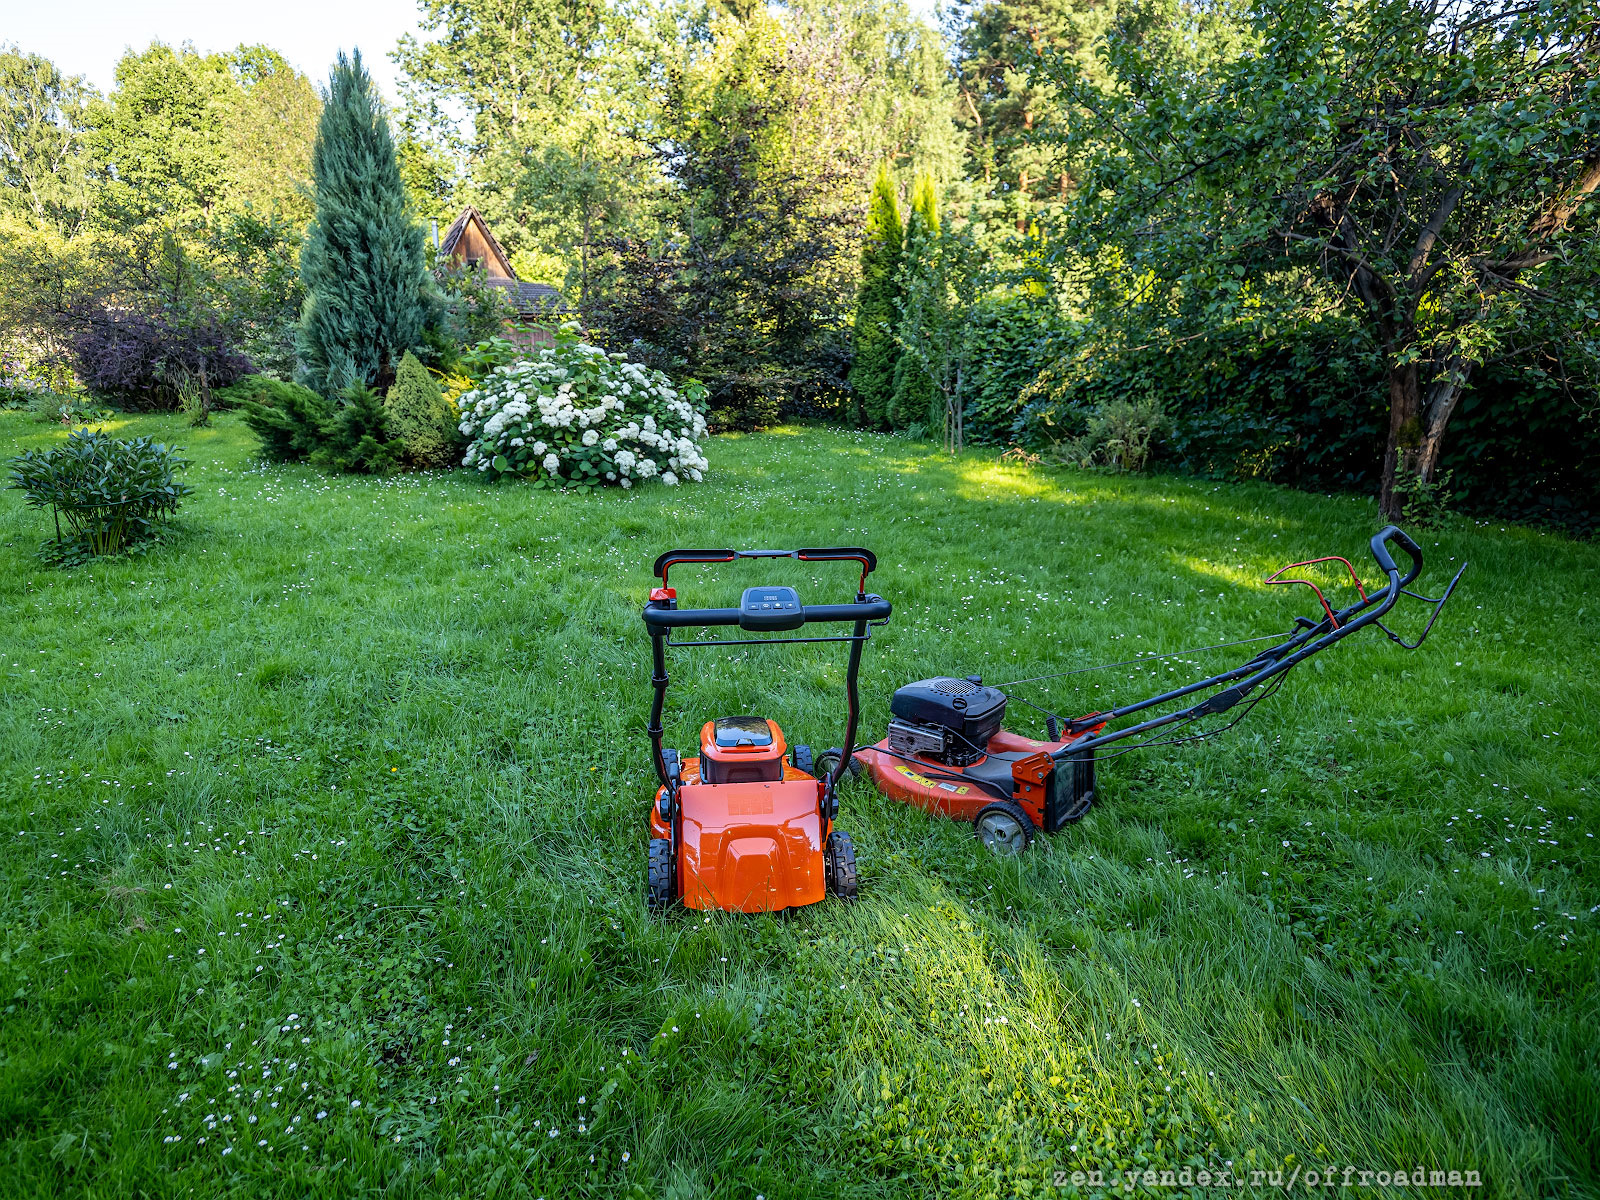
[(873, 608), (865, 557), (1380, 551)]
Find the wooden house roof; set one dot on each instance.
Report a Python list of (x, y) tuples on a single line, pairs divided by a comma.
[(469, 239)]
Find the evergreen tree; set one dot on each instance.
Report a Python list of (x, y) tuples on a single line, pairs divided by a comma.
[(1005, 108), (877, 308), (364, 265), (289, 419), (419, 416), (913, 400)]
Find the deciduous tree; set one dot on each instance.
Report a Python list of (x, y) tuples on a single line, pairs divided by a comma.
[(1434, 161)]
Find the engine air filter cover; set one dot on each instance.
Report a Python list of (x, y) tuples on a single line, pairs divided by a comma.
[(970, 709)]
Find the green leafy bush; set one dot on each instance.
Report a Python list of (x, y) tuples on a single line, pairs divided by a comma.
[(420, 418), (66, 408), (1120, 434), (111, 494)]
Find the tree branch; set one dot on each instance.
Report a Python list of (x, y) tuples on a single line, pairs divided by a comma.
[(1430, 232)]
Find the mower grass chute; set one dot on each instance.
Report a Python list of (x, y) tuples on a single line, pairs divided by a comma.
[(747, 823), (946, 751)]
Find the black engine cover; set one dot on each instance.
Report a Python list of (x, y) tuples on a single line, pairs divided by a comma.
[(971, 711)]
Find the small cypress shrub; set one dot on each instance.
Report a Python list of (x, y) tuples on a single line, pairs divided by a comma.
[(420, 418), (914, 400)]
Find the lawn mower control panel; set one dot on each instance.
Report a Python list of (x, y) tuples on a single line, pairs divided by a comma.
[(767, 609)]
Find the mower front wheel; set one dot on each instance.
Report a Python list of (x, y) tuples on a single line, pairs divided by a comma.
[(658, 875), (840, 860), (803, 760), (1004, 828)]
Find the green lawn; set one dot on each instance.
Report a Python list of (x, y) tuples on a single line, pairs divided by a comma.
[(324, 841)]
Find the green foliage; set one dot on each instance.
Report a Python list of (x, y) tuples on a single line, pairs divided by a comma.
[(1429, 172), (1121, 434), (364, 269), (1014, 336), (915, 399), (294, 424), (1424, 503), (158, 139), (419, 418), (289, 419), (356, 439), (114, 494), (480, 359), (43, 123), (1017, 170), (748, 289), (877, 306)]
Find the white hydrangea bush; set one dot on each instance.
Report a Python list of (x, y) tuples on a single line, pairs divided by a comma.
[(572, 415)]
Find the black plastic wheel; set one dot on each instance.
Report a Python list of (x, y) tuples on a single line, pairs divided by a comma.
[(1003, 827), (840, 861), (829, 759), (658, 874), (803, 760)]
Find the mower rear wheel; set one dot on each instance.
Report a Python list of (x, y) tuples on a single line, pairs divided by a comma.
[(658, 875), (1004, 828), (840, 860), (829, 759), (803, 760)]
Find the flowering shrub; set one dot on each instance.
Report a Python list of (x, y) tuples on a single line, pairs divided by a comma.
[(572, 415)]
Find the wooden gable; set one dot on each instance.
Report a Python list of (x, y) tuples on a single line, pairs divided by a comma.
[(469, 241)]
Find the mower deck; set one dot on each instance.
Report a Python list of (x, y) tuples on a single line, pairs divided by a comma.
[(1019, 769)]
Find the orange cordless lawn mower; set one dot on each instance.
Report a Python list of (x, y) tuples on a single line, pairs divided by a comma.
[(946, 752), (747, 824)]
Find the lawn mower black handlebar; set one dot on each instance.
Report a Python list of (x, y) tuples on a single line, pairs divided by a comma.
[(662, 616), (870, 608), (866, 558), (1230, 687), (1386, 563)]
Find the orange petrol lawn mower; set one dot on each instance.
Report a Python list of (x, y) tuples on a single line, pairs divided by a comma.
[(946, 752), (747, 825)]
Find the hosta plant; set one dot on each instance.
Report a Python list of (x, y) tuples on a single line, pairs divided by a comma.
[(107, 494), (571, 415)]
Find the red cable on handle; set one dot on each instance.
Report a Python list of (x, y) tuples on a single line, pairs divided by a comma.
[(1311, 562)]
